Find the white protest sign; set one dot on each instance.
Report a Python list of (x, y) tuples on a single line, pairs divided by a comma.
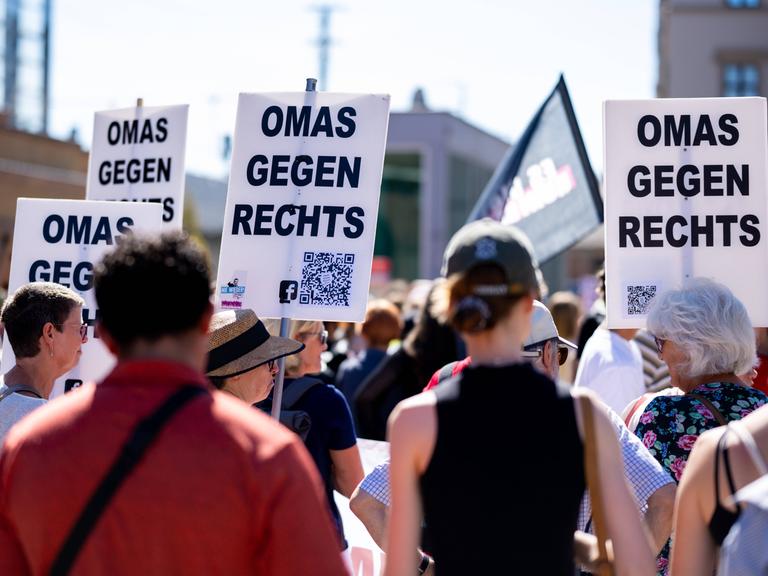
[(61, 241), (366, 557), (686, 195), (137, 155), (303, 198)]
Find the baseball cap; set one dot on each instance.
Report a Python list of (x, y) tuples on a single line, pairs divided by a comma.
[(489, 242), (543, 327)]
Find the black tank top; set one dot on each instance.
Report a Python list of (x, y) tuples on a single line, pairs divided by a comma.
[(722, 518), (502, 491)]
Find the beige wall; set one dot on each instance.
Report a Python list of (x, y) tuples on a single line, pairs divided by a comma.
[(34, 166), (697, 37)]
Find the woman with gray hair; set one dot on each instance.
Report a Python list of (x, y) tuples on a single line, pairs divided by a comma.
[(704, 334), (43, 322)]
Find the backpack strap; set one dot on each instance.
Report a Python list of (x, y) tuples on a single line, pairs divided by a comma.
[(446, 372), (140, 440), (293, 393), (749, 443)]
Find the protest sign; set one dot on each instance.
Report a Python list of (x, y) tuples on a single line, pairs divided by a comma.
[(61, 241), (545, 185), (137, 155), (686, 187), (300, 219)]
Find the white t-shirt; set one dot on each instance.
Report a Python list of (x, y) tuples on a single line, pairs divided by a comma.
[(13, 408), (613, 368)]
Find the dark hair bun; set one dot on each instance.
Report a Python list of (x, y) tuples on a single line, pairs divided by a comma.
[(471, 314)]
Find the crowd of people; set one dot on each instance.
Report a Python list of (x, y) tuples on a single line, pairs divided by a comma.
[(641, 450)]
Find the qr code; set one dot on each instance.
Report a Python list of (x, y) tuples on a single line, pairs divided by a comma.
[(638, 299), (326, 278)]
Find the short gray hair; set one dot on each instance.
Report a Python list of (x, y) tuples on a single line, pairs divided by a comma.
[(709, 324)]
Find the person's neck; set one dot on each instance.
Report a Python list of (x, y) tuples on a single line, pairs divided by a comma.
[(34, 373), (182, 350), (493, 349), (234, 390), (690, 384)]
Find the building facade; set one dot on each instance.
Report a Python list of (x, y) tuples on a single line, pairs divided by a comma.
[(710, 48), (435, 168)]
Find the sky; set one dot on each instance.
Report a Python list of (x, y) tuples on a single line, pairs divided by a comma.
[(490, 62)]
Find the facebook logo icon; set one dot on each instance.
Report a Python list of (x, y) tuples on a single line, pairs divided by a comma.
[(289, 289)]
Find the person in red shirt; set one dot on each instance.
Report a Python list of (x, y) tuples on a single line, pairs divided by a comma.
[(218, 489)]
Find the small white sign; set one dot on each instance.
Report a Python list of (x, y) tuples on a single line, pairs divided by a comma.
[(61, 241), (302, 204), (686, 195), (137, 155)]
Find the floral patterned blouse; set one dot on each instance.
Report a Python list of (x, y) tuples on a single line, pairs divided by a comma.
[(670, 425)]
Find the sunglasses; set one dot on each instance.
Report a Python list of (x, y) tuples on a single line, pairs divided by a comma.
[(659, 343), (322, 336), (562, 353), (83, 329)]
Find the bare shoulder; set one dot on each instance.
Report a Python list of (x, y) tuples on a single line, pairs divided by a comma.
[(412, 428), (413, 411)]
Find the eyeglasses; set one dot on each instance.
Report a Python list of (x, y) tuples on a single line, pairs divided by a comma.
[(536, 350), (83, 328), (322, 336), (659, 343)]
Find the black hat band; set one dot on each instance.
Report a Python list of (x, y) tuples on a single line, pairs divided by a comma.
[(239, 346)]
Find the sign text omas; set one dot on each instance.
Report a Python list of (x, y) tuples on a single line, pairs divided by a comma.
[(78, 230), (138, 155), (689, 180), (300, 171)]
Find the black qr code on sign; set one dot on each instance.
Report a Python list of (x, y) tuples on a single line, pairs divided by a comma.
[(326, 278), (638, 299)]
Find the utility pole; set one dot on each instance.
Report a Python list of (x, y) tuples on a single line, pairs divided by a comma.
[(11, 57), (324, 43), (26, 107)]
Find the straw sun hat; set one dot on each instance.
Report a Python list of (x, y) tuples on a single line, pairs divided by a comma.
[(238, 342)]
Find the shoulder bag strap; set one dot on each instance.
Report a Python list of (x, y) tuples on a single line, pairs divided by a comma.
[(604, 561), (711, 407), (749, 443), (130, 456)]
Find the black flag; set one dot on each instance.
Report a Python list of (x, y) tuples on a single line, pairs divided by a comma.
[(545, 184)]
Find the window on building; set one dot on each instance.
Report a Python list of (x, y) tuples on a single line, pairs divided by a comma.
[(397, 230), (743, 3), (741, 80)]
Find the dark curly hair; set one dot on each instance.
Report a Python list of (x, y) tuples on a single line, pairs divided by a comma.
[(152, 286)]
